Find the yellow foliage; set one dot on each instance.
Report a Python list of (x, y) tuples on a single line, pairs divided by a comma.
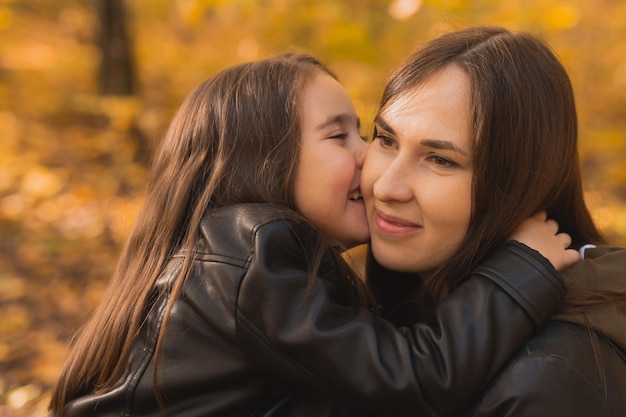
[(6, 18), (73, 163), (562, 17), (41, 182), (403, 9)]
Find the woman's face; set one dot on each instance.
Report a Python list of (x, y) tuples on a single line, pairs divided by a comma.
[(417, 177), (328, 183)]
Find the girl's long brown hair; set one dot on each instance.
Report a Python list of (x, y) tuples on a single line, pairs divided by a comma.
[(524, 149), (235, 139)]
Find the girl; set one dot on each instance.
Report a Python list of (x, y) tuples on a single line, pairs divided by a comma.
[(231, 298), (488, 116)]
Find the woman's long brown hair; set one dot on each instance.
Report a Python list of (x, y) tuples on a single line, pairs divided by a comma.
[(524, 148), (235, 139)]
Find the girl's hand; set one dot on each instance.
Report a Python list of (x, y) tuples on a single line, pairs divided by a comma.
[(540, 234)]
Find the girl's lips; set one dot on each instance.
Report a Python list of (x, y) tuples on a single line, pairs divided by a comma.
[(355, 194), (393, 225)]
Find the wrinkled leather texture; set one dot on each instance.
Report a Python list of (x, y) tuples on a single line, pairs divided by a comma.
[(575, 365), (248, 338), (566, 370)]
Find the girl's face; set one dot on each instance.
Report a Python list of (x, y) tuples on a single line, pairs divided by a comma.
[(417, 179), (327, 189)]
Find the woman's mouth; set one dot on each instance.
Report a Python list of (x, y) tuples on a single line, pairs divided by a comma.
[(394, 225)]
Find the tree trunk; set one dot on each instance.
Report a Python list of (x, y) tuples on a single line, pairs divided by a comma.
[(117, 73)]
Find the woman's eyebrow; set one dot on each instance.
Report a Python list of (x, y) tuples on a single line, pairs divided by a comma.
[(442, 144), (431, 143), (378, 120)]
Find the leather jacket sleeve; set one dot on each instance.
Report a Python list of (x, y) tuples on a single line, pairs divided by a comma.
[(301, 334)]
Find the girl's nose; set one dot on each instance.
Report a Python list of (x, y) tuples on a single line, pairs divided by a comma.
[(360, 152)]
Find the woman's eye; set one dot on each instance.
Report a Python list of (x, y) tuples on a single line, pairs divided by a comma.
[(442, 162), (385, 141)]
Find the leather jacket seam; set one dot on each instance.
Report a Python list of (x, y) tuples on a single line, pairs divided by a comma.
[(514, 293), (565, 363), (599, 359), (530, 258), (538, 262), (148, 354), (214, 257)]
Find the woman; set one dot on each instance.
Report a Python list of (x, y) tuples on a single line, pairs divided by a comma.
[(475, 132), (231, 298)]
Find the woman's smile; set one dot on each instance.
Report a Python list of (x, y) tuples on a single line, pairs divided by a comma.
[(391, 225)]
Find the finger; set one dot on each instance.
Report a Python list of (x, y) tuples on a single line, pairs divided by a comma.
[(565, 239), (553, 225), (541, 215), (572, 256)]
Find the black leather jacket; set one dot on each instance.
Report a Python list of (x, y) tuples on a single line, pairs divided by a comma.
[(575, 365), (247, 338)]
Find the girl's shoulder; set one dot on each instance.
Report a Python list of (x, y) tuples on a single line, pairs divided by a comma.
[(250, 215), (240, 229)]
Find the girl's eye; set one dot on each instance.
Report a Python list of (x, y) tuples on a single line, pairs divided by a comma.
[(442, 162), (341, 136)]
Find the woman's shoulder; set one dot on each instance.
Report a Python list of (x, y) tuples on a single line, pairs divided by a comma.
[(571, 343), (590, 251), (582, 353), (564, 369)]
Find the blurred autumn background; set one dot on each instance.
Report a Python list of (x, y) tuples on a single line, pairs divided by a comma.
[(87, 87)]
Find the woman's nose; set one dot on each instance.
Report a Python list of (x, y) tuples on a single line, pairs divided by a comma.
[(392, 184)]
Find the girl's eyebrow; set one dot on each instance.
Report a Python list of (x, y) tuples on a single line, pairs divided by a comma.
[(338, 118), (431, 143)]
